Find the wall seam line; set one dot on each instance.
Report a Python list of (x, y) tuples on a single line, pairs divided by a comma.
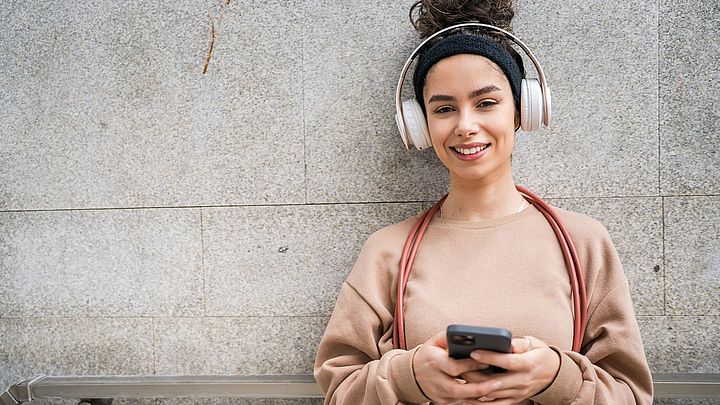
[(659, 160), (318, 316), (333, 203), (302, 95), (202, 263), (154, 346), (664, 261), (155, 318), (657, 111)]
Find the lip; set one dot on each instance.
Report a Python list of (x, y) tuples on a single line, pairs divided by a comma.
[(473, 156)]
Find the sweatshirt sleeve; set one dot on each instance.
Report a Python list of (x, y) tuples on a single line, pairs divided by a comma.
[(349, 366), (355, 362), (611, 367)]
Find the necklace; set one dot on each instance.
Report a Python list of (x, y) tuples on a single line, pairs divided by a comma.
[(523, 205)]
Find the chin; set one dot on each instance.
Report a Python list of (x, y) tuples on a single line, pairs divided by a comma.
[(481, 176)]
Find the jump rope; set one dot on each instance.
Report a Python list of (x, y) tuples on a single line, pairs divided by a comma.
[(534, 112)]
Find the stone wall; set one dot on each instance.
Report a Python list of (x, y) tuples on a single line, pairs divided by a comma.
[(184, 185)]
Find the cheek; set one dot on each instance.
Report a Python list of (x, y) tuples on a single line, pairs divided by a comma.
[(438, 137), (507, 123), (438, 129), (433, 132)]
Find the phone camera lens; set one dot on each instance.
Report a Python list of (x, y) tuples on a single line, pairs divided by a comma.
[(464, 340)]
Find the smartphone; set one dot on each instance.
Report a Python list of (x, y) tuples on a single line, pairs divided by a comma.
[(464, 339)]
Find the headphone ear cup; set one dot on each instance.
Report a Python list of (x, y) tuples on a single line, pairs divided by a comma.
[(531, 105), (415, 124), (548, 99)]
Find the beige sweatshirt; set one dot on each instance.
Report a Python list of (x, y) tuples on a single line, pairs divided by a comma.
[(509, 273)]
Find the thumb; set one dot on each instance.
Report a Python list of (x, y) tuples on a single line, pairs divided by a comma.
[(521, 345), (439, 340)]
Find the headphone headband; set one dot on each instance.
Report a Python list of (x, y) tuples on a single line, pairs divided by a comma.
[(400, 111)]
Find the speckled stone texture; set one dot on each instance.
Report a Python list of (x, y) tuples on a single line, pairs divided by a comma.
[(286, 260), (101, 263), (681, 344), (116, 401), (635, 224), (184, 185), (600, 59), (232, 345), (105, 104), (194, 401), (685, 401), (353, 148), (241, 401), (689, 102), (74, 346), (692, 255)]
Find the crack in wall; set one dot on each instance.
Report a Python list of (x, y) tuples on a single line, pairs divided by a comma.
[(213, 34), (211, 47)]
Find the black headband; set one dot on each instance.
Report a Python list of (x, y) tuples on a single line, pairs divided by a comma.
[(472, 44)]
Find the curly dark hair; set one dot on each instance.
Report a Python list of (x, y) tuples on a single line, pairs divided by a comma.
[(430, 16)]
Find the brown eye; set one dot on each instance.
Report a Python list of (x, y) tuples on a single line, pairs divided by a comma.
[(486, 103), (442, 110)]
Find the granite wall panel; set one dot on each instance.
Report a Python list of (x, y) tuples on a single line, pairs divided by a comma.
[(286, 260), (74, 346), (600, 60), (692, 255), (108, 105), (635, 224), (101, 263), (681, 344), (689, 109), (235, 345), (353, 148)]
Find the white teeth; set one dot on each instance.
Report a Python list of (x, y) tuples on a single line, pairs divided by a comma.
[(470, 151)]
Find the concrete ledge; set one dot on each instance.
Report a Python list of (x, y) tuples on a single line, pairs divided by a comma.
[(682, 385), (667, 385)]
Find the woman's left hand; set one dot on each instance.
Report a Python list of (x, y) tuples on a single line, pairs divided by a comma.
[(531, 367)]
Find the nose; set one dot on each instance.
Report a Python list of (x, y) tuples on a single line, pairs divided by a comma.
[(467, 124)]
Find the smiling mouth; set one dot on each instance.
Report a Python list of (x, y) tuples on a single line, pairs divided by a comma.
[(469, 151)]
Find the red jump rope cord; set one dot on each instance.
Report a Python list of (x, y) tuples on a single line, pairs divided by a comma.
[(568, 248), (406, 262), (572, 262)]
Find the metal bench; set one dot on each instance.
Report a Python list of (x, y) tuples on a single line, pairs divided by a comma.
[(101, 390)]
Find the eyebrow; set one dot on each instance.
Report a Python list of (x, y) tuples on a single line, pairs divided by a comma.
[(475, 93)]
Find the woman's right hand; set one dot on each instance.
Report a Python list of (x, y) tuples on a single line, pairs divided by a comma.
[(437, 374)]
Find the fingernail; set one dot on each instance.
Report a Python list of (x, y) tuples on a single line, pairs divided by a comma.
[(496, 385), (475, 355)]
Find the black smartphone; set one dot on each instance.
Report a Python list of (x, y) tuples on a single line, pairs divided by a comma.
[(464, 339)]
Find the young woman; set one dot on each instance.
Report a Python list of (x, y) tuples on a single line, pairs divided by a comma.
[(488, 258)]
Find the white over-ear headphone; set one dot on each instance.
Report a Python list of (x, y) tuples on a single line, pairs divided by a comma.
[(534, 96)]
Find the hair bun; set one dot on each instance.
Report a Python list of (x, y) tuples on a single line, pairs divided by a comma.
[(430, 16)]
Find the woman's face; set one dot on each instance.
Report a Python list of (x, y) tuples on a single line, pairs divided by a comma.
[(471, 117)]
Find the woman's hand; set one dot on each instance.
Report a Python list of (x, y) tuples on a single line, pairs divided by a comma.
[(531, 367), (437, 373)]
